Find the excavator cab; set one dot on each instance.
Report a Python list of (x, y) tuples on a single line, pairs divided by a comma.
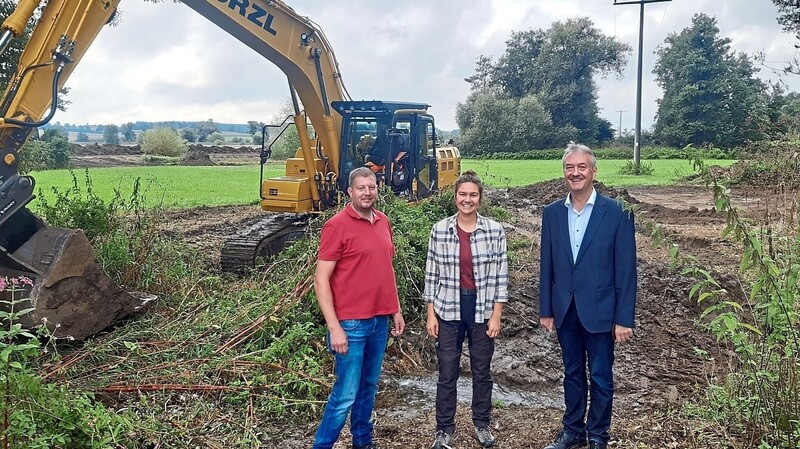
[(402, 153)]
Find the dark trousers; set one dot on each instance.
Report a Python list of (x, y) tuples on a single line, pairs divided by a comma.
[(579, 346), (448, 350)]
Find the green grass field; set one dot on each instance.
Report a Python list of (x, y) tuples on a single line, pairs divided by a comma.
[(191, 186), (503, 173)]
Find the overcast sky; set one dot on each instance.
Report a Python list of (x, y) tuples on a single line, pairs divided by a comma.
[(166, 62)]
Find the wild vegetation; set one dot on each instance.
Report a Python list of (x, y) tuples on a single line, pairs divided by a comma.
[(220, 344)]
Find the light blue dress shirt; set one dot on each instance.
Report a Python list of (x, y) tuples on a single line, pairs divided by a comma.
[(578, 222)]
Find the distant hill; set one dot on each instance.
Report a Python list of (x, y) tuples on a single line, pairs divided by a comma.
[(143, 126)]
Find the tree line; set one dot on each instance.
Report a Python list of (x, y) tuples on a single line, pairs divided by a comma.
[(541, 91)]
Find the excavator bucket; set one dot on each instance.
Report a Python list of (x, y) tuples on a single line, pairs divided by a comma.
[(69, 290)]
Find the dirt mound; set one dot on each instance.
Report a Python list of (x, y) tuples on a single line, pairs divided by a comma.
[(217, 149), (104, 155), (96, 149), (196, 157)]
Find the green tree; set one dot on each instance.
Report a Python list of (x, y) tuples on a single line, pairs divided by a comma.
[(254, 127), (557, 66), (711, 95), (82, 137), (128, 135), (789, 18), (482, 131), (788, 14), (111, 134), (483, 79), (60, 151), (204, 129), (287, 144), (189, 135), (162, 141)]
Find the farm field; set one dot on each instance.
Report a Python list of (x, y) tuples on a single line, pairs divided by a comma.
[(669, 362), (217, 185)]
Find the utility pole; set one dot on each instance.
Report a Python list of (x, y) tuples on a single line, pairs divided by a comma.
[(637, 137), (619, 130)]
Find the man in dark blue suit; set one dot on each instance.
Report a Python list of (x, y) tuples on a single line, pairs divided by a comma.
[(587, 294)]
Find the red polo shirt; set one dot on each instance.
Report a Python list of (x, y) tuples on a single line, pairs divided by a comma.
[(363, 282)]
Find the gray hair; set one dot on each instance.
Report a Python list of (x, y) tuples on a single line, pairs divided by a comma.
[(573, 147), (362, 172)]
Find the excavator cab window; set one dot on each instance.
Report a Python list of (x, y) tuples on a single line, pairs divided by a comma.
[(365, 144), (425, 179)]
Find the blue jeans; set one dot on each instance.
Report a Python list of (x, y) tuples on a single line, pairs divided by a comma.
[(356, 384), (579, 346)]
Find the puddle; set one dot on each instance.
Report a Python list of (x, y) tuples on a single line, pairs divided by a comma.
[(419, 394)]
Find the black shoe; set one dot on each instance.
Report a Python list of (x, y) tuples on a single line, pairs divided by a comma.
[(567, 441), (597, 445)]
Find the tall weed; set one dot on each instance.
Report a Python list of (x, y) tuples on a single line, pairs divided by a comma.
[(761, 396)]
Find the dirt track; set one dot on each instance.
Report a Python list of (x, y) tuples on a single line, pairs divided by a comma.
[(669, 358)]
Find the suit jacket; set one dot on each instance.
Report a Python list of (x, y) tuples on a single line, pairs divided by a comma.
[(602, 280)]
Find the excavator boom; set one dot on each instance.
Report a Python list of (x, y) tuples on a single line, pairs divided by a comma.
[(396, 139)]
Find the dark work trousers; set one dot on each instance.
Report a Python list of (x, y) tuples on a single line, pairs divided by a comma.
[(579, 346), (448, 350)]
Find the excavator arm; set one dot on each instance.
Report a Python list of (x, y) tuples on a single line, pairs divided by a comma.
[(65, 31), (69, 287)]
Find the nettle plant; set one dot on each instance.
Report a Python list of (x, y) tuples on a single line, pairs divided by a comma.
[(35, 414), (17, 344)]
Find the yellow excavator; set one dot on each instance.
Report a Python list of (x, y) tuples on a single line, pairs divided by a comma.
[(396, 139)]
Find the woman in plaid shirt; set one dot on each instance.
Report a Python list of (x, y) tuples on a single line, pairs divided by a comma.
[(466, 279)]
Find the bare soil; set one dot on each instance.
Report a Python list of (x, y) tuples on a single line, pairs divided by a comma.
[(96, 155), (670, 361)]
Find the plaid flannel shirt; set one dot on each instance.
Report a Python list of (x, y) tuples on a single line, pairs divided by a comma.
[(489, 261)]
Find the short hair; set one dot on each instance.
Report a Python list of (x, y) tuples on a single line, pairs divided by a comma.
[(469, 176), (362, 172), (573, 147)]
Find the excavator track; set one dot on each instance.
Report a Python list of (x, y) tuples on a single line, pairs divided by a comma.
[(261, 240)]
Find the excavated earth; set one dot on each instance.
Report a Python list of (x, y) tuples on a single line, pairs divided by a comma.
[(670, 360), (95, 155)]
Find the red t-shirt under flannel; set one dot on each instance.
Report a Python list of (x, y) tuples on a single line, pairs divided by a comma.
[(363, 282), (467, 273)]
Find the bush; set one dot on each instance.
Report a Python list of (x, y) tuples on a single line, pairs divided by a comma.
[(76, 210), (52, 152), (162, 141), (630, 169), (618, 153), (216, 138)]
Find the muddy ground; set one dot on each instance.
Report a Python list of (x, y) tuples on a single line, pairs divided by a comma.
[(669, 361)]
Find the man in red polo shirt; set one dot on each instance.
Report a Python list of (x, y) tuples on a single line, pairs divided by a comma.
[(357, 293)]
